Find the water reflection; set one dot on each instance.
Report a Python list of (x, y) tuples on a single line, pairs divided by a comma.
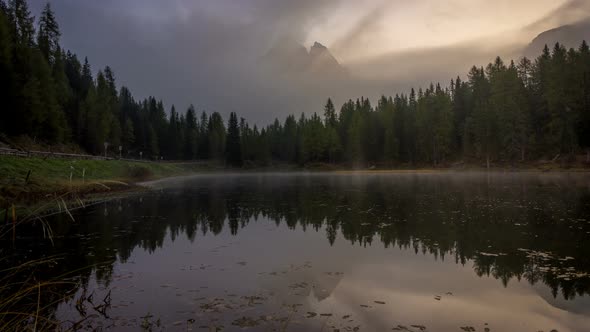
[(514, 227), (506, 227)]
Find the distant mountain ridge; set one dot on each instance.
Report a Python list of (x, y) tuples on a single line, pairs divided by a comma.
[(570, 35), (289, 57)]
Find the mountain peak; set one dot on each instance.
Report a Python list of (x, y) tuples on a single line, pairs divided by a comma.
[(318, 49), (570, 35), (288, 57), (317, 45)]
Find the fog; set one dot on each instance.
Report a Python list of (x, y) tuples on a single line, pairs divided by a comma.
[(214, 54)]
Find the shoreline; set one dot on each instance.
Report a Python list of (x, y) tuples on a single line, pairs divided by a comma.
[(29, 183), (34, 185)]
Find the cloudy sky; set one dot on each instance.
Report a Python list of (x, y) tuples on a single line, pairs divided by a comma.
[(207, 52)]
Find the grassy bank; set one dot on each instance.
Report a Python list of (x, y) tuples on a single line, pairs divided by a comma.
[(27, 181)]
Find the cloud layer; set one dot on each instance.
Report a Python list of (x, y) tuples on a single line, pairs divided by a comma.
[(208, 52)]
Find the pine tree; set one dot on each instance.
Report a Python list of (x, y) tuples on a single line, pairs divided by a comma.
[(245, 140), (354, 134), (203, 148), (6, 74), (409, 133), (99, 116), (233, 148), (392, 123), (525, 71), (290, 140), (190, 134), (87, 118), (461, 111), (444, 126), (275, 139), (561, 125), (23, 23), (153, 143), (482, 124), (87, 80), (216, 137), (49, 121), (48, 35), (173, 138), (63, 90), (513, 113), (330, 114), (541, 115), (26, 105), (128, 136)]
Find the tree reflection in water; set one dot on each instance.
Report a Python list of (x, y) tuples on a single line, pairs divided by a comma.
[(523, 226)]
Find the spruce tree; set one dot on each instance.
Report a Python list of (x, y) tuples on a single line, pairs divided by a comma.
[(330, 114), (190, 134), (48, 34), (6, 74), (290, 140), (23, 23), (233, 148), (216, 137)]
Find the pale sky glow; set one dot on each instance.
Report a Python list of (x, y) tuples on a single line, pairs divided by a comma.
[(356, 29), (401, 25)]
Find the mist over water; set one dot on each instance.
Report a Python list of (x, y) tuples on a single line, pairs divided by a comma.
[(505, 251)]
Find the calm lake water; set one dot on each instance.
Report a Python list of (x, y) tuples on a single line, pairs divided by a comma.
[(338, 252)]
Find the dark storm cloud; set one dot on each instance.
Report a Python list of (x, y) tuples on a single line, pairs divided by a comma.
[(204, 53), (569, 12)]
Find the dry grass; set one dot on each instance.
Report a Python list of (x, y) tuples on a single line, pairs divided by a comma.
[(21, 306), (27, 303)]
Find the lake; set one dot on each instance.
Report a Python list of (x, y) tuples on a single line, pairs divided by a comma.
[(327, 252)]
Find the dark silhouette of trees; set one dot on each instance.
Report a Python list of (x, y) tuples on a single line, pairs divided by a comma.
[(233, 147), (503, 112)]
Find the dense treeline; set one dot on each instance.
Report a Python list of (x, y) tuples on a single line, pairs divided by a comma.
[(504, 112)]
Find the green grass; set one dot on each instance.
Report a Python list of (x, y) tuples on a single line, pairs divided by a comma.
[(58, 170), (51, 177)]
